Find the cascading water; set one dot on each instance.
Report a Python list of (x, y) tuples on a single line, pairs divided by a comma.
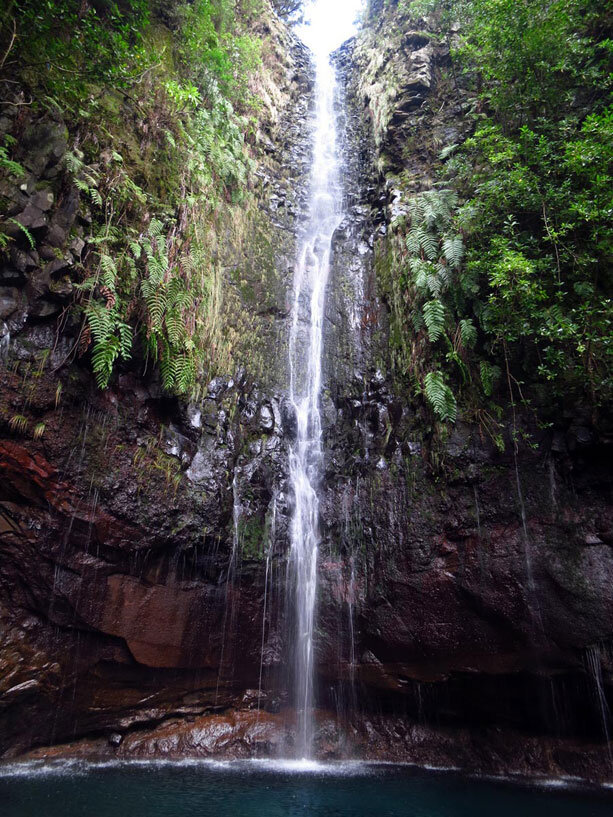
[(305, 359)]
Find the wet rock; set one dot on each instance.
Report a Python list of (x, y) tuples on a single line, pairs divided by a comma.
[(155, 519), (43, 308), (45, 144), (9, 301), (289, 419), (194, 417), (43, 200), (209, 466), (32, 218), (267, 420), (177, 445)]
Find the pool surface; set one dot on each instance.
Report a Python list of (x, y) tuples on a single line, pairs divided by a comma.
[(277, 789)]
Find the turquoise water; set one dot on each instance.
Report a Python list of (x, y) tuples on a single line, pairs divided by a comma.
[(274, 790)]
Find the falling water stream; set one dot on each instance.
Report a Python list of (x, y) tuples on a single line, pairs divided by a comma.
[(305, 362)]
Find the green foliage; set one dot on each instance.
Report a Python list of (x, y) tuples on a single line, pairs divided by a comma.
[(440, 396), (161, 198), (433, 300), (184, 95), (216, 50), (8, 165), (538, 177), (24, 230), (434, 318), (105, 43), (514, 270), (490, 374)]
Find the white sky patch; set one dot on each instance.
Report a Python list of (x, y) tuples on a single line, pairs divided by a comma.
[(328, 23)]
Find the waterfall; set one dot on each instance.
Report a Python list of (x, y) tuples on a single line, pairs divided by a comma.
[(305, 362)]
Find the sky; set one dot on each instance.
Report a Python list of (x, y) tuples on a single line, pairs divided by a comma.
[(329, 23)]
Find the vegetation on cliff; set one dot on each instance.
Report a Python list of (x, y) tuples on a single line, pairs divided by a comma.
[(507, 265), (157, 101)]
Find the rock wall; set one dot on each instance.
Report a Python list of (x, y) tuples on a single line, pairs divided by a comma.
[(465, 615), (478, 581), (124, 513)]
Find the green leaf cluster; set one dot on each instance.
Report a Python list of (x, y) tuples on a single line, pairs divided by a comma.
[(150, 91), (517, 275)]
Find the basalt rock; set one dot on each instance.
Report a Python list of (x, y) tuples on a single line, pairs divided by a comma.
[(465, 615), (131, 522)]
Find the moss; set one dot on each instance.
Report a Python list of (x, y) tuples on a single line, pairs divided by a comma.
[(251, 537)]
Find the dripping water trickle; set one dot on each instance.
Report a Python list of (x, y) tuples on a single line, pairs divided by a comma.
[(593, 666), (229, 606), (272, 532)]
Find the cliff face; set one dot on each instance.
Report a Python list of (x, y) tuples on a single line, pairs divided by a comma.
[(465, 614), (482, 576), (117, 507)]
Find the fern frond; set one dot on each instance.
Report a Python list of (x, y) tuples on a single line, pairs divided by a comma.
[(109, 270), (100, 320), (82, 186), (18, 423), (175, 328), (453, 250), (429, 243), (155, 228), (25, 231), (104, 356), (447, 151), (126, 337), (434, 318), (440, 397), (489, 376), (468, 333), (412, 241)]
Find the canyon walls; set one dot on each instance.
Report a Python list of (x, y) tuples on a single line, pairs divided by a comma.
[(465, 613)]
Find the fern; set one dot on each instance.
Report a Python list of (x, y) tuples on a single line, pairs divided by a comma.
[(11, 167), (417, 319), (428, 243), (489, 376), (18, 423), (74, 163), (82, 186), (445, 275), (440, 397), (26, 232), (412, 241), (447, 151), (100, 320), (453, 250), (167, 367), (434, 318), (103, 359), (156, 228), (155, 300), (126, 336), (109, 270), (175, 328), (95, 197), (468, 333)]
